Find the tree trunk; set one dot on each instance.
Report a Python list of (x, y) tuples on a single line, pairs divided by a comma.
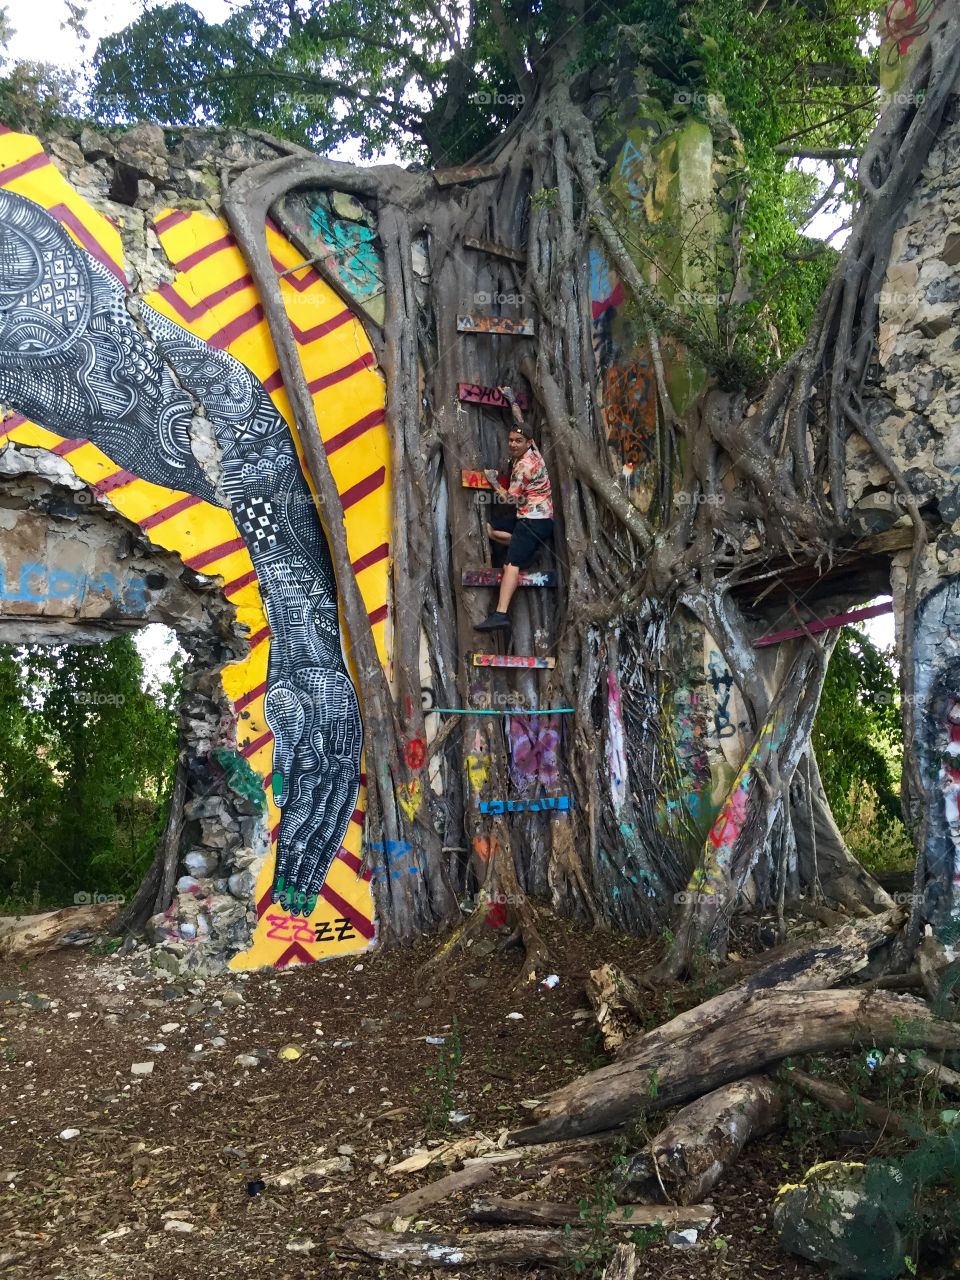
[(686, 1160), (768, 1027)]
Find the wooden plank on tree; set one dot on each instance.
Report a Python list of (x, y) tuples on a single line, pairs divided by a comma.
[(475, 393), (491, 578), (491, 246), (507, 711), (495, 324), (546, 804), (458, 175), (474, 480), (513, 660), (816, 625)]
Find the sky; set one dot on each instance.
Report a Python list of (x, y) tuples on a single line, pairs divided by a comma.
[(41, 34)]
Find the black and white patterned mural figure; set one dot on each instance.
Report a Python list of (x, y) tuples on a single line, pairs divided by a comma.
[(74, 359)]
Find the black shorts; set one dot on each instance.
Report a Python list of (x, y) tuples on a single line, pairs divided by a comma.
[(528, 539)]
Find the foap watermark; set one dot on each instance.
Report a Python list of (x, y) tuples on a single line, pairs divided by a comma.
[(901, 899), (689, 98), (898, 298), (96, 899), (487, 98), (485, 299), (689, 896), (92, 698), (684, 499)]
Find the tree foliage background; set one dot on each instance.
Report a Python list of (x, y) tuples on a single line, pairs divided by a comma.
[(87, 758)]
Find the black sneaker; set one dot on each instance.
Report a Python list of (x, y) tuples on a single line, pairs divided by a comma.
[(496, 622)]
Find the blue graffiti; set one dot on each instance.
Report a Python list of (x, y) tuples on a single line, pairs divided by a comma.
[(38, 582)]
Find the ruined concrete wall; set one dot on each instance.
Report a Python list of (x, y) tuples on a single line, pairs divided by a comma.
[(141, 381)]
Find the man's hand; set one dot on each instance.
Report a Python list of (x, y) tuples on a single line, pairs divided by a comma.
[(493, 477), (507, 393)]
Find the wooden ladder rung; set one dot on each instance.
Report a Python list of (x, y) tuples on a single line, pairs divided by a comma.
[(492, 578), (513, 660)]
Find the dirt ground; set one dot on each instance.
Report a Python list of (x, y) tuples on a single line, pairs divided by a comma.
[(193, 1141)]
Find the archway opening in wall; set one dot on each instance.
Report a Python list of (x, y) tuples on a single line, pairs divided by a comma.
[(89, 745), (858, 741), (119, 760)]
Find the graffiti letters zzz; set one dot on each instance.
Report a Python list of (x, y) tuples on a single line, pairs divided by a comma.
[(294, 929)]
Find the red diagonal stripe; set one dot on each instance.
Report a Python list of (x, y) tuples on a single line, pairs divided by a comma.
[(354, 431), (338, 375), (236, 328), (372, 557), (258, 637), (189, 312), (362, 925), (23, 166), (239, 583), (170, 220), (274, 382), (303, 282), (167, 513), (201, 255), (252, 696), (253, 747), (215, 553), (67, 446), (363, 487), (354, 863), (11, 424), (320, 330), (92, 245), (378, 615), (116, 481)]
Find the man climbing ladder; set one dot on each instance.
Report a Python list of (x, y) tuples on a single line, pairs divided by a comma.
[(530, 489)]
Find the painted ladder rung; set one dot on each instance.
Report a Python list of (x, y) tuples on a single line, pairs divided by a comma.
[(492, 577), (546, 804), (474, 480), (491, 397), (495, 324), (513, 660), (506, 711)]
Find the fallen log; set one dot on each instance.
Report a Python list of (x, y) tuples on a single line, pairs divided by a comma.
[(945, 1077), (819, 965), (415, 1202), (510, 1247), (623, 1264), (687, 1159), (546, 1213), (22, 936), (842, 1103), (766, 1028)]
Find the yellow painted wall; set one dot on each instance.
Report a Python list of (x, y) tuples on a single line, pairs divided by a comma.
[(213, 297)]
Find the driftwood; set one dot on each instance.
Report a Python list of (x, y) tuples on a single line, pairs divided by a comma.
[(842, 1103), (945, 1077), (22, 936), (687, 1159), (508, 1247), (767, 1027), (416, 1201), (623, 1264), (549, 1214)]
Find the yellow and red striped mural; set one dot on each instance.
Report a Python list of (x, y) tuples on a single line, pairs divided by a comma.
[(213, 297)]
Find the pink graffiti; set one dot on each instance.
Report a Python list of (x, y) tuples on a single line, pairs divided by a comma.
[(533, 751)]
